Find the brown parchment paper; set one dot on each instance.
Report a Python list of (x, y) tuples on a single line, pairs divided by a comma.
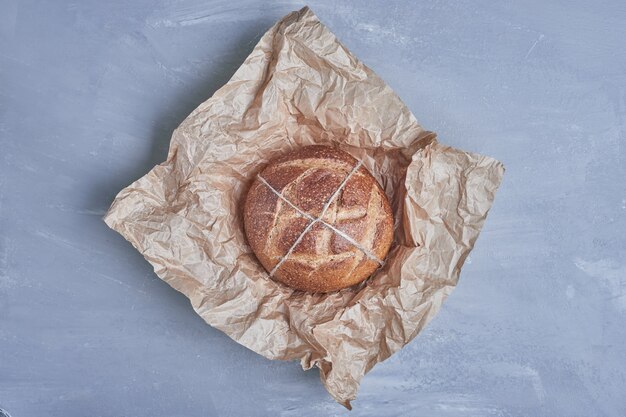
[(300, 86)]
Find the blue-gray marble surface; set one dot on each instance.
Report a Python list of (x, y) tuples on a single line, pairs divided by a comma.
[(90, 92)]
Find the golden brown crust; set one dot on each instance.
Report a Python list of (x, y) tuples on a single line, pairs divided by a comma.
[(271, 225), (314, 257), (309, 176), (366, 214)]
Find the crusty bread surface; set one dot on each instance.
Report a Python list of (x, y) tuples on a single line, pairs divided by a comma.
[(317, 220)]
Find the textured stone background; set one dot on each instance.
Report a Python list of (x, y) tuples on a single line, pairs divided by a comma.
[(90, 92)]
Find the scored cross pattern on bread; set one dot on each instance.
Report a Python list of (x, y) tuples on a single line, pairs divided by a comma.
[(317, 220)]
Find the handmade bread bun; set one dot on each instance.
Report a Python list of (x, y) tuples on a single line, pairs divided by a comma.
[(317, 220)]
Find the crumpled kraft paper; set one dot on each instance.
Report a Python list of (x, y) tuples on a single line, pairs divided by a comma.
[(300, 86)]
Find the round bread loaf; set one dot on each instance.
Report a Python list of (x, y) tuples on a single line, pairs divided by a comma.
[(317, 220)]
